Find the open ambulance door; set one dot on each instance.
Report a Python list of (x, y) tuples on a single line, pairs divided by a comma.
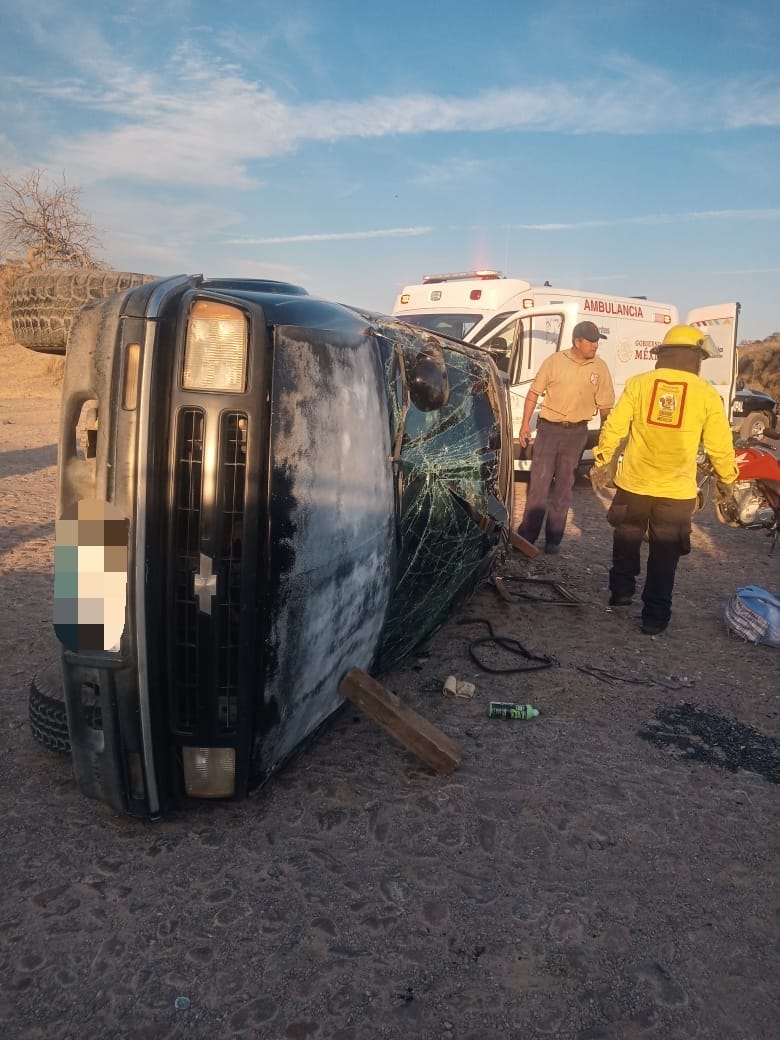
[(519, 345), (720, 323)]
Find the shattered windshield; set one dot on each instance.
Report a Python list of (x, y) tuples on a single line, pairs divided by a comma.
[(450, 490)]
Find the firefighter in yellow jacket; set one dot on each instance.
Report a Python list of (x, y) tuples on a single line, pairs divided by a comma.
[(665, 414)]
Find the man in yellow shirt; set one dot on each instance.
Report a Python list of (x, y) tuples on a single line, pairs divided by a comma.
[(574, 384), (665, 414)]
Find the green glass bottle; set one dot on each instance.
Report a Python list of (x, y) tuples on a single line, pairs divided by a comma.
[(507, 710)]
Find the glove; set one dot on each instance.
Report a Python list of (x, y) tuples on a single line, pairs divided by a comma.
[(724, 491), (602, 477), (602, 474)]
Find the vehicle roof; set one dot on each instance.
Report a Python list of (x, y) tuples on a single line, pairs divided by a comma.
[(747, 392), (255, 285), (453, 292)]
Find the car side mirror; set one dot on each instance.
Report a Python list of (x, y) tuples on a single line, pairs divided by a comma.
[(429, 385)]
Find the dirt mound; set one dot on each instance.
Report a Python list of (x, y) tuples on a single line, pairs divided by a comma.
[(759, 364)]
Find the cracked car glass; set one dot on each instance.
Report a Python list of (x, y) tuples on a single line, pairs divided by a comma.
[(449, 496)]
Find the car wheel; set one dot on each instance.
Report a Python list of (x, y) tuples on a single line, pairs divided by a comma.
[(753, 425), (43, 305)]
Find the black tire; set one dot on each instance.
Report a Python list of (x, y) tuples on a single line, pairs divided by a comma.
[(48, 717), (44, 305), (48, 720), (753, 425)]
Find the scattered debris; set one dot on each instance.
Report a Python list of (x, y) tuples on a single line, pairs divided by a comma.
[(455, 688), (564, 597), (671, 682), (703, 736), (523, 545), (510, 710)]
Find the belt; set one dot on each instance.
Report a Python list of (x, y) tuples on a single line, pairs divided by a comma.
[(565, 425)]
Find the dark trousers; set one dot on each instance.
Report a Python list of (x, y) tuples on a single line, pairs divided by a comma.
[(667, 523), (557, 451)]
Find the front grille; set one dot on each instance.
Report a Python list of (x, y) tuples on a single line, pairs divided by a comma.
[(204, 683), (188, 490), (231, 483)]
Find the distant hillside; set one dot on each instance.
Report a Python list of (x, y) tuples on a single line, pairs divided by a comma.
[(759, 364)]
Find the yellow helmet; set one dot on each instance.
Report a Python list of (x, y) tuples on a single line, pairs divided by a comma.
[(687, 336)]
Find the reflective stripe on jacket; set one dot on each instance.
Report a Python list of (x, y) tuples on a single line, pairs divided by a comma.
[(666, 414)]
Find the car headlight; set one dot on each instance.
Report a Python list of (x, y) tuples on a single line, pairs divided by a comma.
[(209, 772), (215, 353)]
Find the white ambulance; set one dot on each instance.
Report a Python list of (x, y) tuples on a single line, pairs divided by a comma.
[(520, 324)]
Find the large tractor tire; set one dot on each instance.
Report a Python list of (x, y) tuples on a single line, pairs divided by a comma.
[(48, 717), (44, 305)]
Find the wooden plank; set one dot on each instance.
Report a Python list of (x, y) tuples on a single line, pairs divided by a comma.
[(524, 546), (416, 733)]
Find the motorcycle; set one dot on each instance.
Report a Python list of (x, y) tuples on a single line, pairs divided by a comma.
[(754, 500)]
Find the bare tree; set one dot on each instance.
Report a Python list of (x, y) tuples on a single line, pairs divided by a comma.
[(43, 226)]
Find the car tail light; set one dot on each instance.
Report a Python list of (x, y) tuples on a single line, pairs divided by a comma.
[(475, 294), (209, 772), (215, 353)]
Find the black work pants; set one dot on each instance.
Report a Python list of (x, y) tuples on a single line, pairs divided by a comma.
[(667, 523)]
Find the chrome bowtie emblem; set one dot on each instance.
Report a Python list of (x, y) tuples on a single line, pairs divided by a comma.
[(204, 584)]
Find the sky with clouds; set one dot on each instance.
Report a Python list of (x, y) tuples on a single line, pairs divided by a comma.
[(627, 147)]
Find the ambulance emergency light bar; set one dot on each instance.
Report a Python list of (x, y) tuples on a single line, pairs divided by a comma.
[(428, 279)]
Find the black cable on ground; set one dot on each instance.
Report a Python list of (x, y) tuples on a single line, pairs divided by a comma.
[(508, 643)]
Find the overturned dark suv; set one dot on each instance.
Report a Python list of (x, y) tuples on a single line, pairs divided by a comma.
[(258, 490)]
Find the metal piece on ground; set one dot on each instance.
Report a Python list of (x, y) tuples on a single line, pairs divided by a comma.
[(510, 710), (500, 583), (671, 682)]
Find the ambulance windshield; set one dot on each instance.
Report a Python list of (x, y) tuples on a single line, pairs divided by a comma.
[(457, 326)]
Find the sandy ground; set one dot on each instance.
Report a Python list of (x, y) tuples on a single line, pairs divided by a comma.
[(571, 879)]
